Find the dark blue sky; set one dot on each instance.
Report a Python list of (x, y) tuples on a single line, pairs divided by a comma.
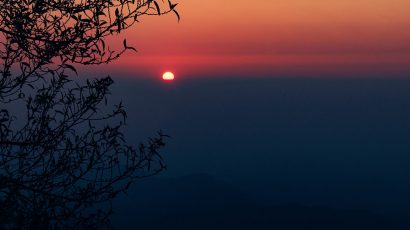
[(339, 143)]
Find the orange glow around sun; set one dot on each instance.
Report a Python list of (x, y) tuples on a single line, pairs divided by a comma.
[(277, 38), (168, 76)]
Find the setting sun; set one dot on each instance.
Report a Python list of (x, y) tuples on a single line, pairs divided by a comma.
[(168, 76)]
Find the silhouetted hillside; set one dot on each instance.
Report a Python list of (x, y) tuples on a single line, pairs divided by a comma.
[(199, 201)]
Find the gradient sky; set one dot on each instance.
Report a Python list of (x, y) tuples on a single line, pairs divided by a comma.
[(351, 38)]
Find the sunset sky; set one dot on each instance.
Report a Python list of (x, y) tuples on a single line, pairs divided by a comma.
[(275, 38), (281, 110), (275, 114)]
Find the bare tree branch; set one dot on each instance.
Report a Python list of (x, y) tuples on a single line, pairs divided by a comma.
[(62, 152)]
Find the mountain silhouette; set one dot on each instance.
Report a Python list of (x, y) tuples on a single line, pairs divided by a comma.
[(200, 201)]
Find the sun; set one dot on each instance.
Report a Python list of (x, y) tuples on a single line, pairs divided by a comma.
[(168, 76)]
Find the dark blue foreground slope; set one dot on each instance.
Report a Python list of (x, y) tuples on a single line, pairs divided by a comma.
[(296, 153)]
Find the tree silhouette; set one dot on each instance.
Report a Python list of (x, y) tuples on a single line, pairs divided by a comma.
[(63, 157)]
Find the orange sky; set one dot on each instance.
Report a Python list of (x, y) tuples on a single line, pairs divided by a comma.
[(274, 38)]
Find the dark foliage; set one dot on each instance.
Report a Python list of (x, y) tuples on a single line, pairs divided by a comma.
[(62, 152)]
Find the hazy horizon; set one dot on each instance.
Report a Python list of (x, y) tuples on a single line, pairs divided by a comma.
[(332, 143)]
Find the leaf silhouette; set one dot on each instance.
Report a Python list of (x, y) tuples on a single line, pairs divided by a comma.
[(158, 8)]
